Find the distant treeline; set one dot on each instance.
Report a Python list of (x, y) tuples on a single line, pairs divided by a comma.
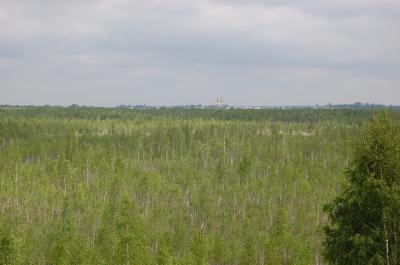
[(286, 115)]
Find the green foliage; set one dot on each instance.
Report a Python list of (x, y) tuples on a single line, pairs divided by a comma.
[(131, 237), (244, 168), (8, 247), (364, 217), (174, 186), (282, 247), (200, 249), (63, 238), (165, 251)]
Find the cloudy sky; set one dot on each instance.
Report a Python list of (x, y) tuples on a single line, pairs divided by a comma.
[(271, 52)]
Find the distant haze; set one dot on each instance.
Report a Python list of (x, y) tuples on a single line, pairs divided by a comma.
[(156, 52)]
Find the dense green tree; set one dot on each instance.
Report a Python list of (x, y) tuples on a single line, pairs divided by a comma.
[(200, 249), (279, 240), (165, 256), (131, 237), (8, 247), (67, 246), (244, 169), (364, 226), (62, 242), (106, 239)]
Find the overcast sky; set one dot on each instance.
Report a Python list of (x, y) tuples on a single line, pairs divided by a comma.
[(271, 52)]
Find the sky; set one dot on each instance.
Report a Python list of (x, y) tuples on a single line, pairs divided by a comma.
[(173, 52)]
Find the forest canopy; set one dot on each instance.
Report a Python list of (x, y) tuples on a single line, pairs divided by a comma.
[(172, 186)]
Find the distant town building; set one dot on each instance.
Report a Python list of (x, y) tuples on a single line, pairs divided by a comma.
[(219, 103)]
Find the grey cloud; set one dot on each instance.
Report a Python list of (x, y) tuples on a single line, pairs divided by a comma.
[(144, 50)]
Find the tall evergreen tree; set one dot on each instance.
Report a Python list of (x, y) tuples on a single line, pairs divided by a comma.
[(364, 226), (106, 240), (62, 239), (131, 238), (67, 247), (165, 256), (200, 249), (277, 251)]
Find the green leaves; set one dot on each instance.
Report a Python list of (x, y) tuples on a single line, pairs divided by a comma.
[(282, 247), (8, 247), (363, 218), (200, 249), (175, 186), (63, 238)]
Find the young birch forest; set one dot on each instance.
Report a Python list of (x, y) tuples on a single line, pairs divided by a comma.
[(170, 186)]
